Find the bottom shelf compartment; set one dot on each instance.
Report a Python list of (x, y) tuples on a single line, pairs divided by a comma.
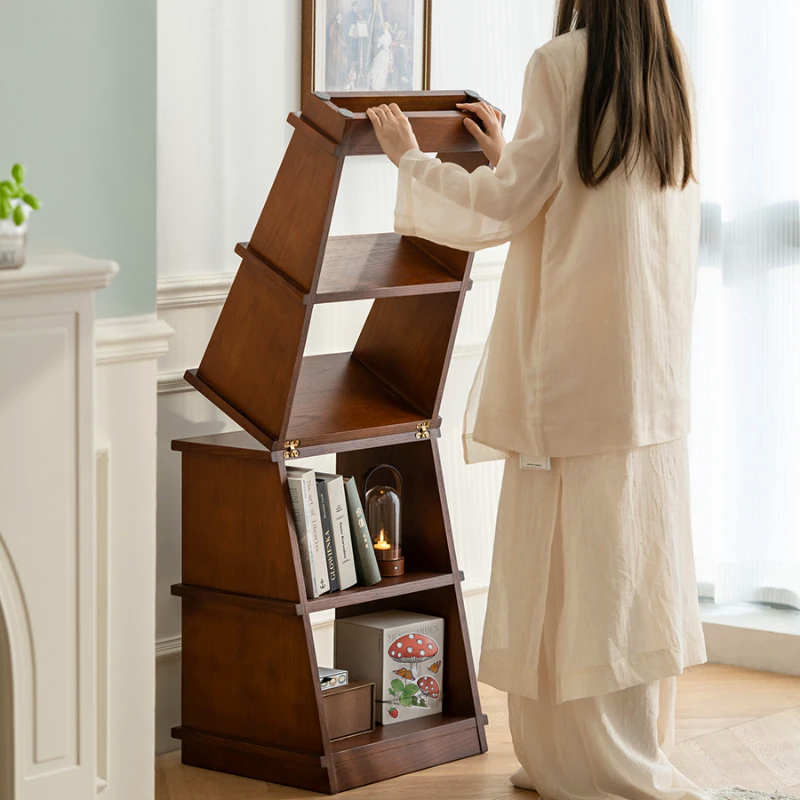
[(386, 752), (399, 734), (392, 750)]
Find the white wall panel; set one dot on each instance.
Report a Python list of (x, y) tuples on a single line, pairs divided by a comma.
[(47, 590)]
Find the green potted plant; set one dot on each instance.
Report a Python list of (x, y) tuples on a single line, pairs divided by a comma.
[(16, 204)]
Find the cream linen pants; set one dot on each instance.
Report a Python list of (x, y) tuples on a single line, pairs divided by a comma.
[(610, 747)]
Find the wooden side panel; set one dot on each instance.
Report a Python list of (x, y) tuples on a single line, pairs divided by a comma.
[(425, 540), (407, 342), (252, 761), (238, 534), (254, 353), (293, 226), (248, 674)]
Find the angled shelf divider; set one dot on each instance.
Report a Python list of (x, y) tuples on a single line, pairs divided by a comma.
[(251, 699)]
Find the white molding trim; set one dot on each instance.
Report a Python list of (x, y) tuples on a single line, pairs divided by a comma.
[(490, 271), (188, 291), (168, 647), (173, 382), (473, 349), (63, 272), (470, 591), (131, 339)]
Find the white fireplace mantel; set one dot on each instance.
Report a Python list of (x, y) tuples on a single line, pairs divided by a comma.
[(48, 743)]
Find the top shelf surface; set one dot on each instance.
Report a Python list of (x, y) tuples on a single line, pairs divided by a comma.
[(340, 119)]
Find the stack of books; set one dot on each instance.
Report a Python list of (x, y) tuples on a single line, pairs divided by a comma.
[(335, 545)]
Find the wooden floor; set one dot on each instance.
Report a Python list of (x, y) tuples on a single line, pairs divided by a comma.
[(735, 728)]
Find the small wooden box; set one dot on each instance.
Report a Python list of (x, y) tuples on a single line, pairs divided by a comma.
[(350, 709)]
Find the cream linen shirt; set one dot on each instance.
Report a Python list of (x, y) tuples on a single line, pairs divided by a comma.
[(589, 349)]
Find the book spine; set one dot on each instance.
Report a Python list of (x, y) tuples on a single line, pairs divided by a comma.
[(315, 533), (364, 553), (300, 510), (342, 539), (327, 535)]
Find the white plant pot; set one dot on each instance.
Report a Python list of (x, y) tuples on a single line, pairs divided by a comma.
[(12, 244)]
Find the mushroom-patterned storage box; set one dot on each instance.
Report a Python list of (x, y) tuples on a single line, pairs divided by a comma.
[(401, 653)]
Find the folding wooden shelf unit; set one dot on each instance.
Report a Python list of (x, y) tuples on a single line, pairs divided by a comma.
[(252, 704)]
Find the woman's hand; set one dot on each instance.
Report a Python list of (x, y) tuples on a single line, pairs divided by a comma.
[(491, 140), (393, 130)]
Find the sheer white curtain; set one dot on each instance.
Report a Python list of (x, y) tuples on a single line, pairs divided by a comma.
[(745, 443)]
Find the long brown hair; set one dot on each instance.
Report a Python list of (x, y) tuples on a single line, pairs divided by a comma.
[(635, 64)]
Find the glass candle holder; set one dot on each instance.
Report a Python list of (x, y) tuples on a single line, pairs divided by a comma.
[(383, 512)]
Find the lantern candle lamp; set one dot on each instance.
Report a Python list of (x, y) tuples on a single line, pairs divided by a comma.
[(384, 522)]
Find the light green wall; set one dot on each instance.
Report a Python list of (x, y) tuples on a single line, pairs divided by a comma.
[(78, 108)]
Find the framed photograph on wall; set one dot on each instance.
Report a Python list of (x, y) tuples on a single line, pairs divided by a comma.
[(366, 45)]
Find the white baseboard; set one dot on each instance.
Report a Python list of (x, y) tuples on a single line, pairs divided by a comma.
[(167, 648), (190, 291), (754, 637), (173, 382)]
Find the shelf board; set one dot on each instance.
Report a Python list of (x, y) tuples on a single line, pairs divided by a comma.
[(338, 405), (339, 399), (388, 587), (409, 583), (379, 265), (240, 444)]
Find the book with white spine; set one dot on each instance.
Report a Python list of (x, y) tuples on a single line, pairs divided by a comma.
[(317, 577), (297, 493)]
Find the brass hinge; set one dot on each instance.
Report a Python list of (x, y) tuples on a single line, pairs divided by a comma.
[(422, 430), (290, 449)]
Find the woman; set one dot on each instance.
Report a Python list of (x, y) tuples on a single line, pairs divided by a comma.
[(593, 605), (379, 70)]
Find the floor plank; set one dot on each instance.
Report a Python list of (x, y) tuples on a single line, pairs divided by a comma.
[(693, 761), (739, 765), (774, 741)]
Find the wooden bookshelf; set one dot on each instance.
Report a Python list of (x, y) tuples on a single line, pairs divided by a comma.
[(251, 701)]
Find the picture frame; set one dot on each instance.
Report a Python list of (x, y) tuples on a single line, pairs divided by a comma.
[(366, 45)]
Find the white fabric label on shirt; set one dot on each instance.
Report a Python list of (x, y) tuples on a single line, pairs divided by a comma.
[(534, 462)]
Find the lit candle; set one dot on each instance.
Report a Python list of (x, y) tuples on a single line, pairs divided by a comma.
[(382, 543)]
